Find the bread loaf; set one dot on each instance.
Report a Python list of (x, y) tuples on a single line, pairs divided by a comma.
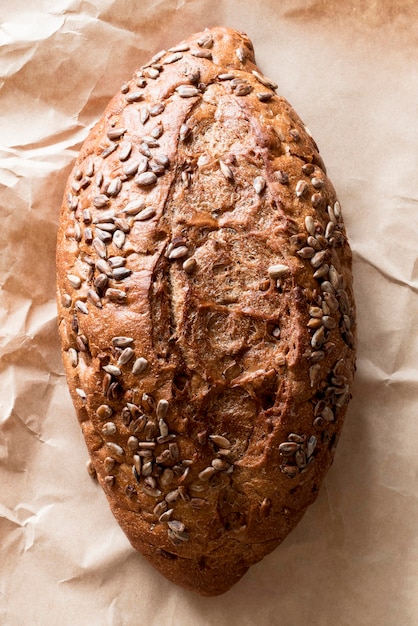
[(205, 310)]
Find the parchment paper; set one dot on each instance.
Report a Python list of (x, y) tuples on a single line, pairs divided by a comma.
[(350, 70)]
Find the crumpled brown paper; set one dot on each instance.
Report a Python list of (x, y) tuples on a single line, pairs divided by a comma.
[(349, 69)]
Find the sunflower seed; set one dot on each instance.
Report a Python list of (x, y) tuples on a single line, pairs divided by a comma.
[(81, 393), (166, 516), (278, 270), (73, 356), (316, 200), (116, 133), (162, 159), (119, 238), (108, 150), (314, 374), (103, 236), (327, 287), (317, 182), (220, 465), (314, 243), (140, 365), (109, 464), (306, 252), (318, 258), (144, 115), (156, 168), (301, 187), (319, 423), (331, 215), (282, 177), (177, 526), (166, 478), (189, 265), (115, 448), (150, 141), (172, 496), (131, 168), (288, 448), (259, 184), (318, 338), (220, 441), (334, 277), (241, 54), (75, 281), (66, 300), (120, 273), (206, 41), (88, 235), (133, 443), (314, 322), (126, 356), (300, 459), (243, 89), (226, 170), (162, 408), (146, 179), (226, 76), (134, 207), (184, 132), (112, 370), (178, 252), (134, 96), (264, 96), (151, 491), (172, 58), (337, 210), (322, 271), (146, 152), (327, 414), (207, 473), (164, 457), (157, 109), (100, 247), (162, 425), (116, 261), (82, 307), (152, 72), (202, 54), (114, 187), (310, 225), (177, 538), (267, 82), (82, 343), (107, 226), (187, 91), (160, 508), (109, 429), (312, 441), (138, 425), (315, 311), (329, 322)]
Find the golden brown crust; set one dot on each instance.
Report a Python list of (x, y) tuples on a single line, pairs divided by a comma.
[(205, 310)]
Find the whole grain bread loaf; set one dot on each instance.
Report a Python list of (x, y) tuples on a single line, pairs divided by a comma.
[(206, 310)]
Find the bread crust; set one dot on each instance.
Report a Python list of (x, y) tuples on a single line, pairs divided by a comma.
[(206, 310)]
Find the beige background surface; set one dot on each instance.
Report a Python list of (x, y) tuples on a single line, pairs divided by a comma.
[(350, 71)]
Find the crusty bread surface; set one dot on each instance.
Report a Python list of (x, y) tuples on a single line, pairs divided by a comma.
[(206, 310)]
